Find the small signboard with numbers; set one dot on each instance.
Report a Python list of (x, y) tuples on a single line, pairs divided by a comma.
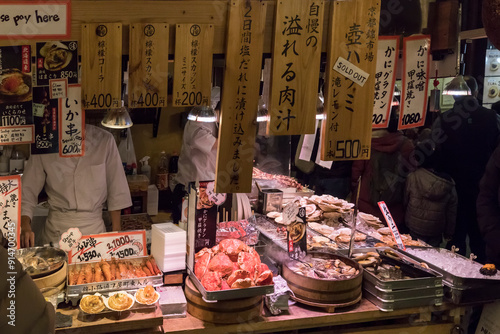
[(193, 65), (148, 67), (93, 248), (349, 84), (101, 65), (416, 61)]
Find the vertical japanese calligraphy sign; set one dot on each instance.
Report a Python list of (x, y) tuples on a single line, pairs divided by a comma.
[(71, 124), (16, 95), (45, 116), (10, 207), (350, 80), (245, 42), (101, 65), (416, 61), (385, 79), (148, 65), (298, 36), (193, 65)]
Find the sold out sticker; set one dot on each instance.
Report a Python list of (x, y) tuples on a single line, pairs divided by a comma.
[(351, 71)]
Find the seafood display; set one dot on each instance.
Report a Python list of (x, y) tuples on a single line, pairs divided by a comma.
[(120, 301), (284, 181), (56, 56), (112, 270), (340, 234), (323, 268), (488, 269), (319, 241), (147, 295), (15, 86), (241, 230), (231, 265), (37, 261), (92, 304)]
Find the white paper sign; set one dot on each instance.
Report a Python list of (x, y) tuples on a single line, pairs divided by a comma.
[(58, 88), (35, 20), (70, 239), (308, 145), (71, 124), (325, 164), (92, 248), (385, 77), (492, 68), (351, 71), (392, 225), (416, 60), (490, 321), (10, 209), (22, 134), (290, 213), (491, 90), (217, 198)]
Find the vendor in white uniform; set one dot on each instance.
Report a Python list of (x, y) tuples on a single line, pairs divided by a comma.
[(77, 189)]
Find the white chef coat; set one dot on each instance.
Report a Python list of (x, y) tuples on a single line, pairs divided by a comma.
[(77, 187), (198, 155)]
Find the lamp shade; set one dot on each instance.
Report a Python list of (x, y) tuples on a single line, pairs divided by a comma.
[(117, 119), (202, 114), (457, 87)]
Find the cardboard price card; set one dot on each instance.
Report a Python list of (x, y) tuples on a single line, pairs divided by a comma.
[(92, 248), (10, 208), (350, 80), (416, 61), (71, 124), (296, 62), (235, 153), (392, 225), (385, 78)]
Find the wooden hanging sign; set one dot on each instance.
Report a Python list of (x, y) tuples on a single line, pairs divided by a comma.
[(193, 65), (148, 65), (298, 36), (237, 130), (101, 65), (349, 104), (416, 61), (385, 80)]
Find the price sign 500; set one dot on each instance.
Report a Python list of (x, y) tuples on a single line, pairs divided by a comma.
[(347, 149)]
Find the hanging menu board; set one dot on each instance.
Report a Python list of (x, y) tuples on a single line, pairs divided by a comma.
[(296, 63), (56, 60), (10, 208), (101, 65), (45, 112), (385, 79), (193, 65), (350, 80), (71, 124), (148, 65), (239, 106), (416, 60), (16, 94)]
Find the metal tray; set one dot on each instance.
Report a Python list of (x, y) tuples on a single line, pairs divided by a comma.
[(458, 281), (396, 295), (75, 292), (391, 305), (435, 279), (58, 257), (458, 295), (214, 296)]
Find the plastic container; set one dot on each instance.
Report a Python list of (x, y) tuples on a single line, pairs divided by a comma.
[(146, 168), (137, 182)]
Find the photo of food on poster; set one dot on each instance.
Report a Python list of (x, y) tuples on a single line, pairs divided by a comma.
[(45, 111), (56, 60), (491, 91)]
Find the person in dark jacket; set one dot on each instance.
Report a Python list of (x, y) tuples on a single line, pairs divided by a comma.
[(488, 208), (468, 137), (430, 200)]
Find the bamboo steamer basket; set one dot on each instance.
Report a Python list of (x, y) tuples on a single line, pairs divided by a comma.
[(56, 279), (323, 291), (223, 311)]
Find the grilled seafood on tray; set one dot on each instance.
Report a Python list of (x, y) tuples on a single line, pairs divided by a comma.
[(15, 86), (92, 304)]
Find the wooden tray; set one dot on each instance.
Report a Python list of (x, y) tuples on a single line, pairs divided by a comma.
[(329, 308)]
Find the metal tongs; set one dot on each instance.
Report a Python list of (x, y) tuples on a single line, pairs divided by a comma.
[(354, 218)]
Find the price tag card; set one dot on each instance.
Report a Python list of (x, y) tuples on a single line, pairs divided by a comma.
[(46, 124), (71, 124), (58, 88), (56, 60), (416, 61), (101, 65), (16, 103), (193, 65), (10, 208), (297, 235), (92, 248), (148, 77), (217, 198), (290, 213), (70, 239), (239, 107), (347, 129), (392, 225), (385, 79), (298, 40)]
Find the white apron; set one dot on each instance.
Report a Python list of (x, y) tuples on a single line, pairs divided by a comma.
[(59, 222)]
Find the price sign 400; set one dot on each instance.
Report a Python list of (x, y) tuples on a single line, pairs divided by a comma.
[(101, 101)]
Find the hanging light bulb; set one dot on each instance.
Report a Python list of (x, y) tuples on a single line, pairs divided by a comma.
[(262, 112), (457, 87), (202, 114), (117, 118)]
